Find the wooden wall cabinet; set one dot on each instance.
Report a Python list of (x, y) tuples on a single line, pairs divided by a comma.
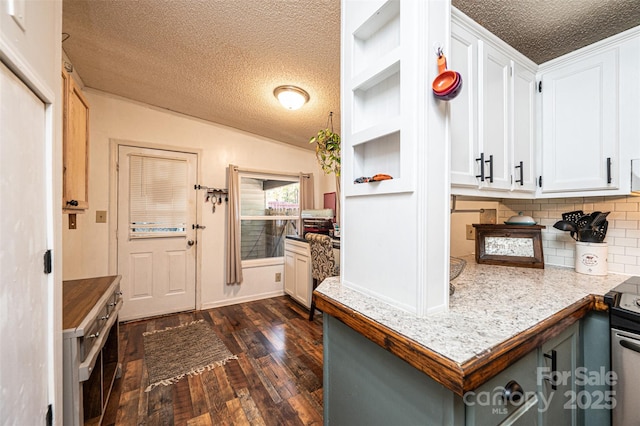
[(75, 136)]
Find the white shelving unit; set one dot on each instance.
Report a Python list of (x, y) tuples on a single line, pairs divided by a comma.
[(391, 124), (373, 72)]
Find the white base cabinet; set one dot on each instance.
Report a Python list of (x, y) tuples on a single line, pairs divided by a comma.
[(297, 271)]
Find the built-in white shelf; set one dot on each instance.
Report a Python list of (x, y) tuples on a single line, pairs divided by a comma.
[(383, 128), (377, 103), (376, 36)]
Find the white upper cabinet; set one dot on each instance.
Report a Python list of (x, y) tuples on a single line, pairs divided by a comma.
[(575, 137), (464, 120), (523, 162), (580, 144), (493, 118), (590, 104)]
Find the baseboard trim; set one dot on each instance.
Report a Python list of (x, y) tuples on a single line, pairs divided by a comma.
[(236, 300)]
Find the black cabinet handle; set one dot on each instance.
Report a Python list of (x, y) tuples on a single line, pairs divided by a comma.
[(73, 203), (490, 161), (540, 181), (608, 169), (553, 356), (481, 160), (521, 180)]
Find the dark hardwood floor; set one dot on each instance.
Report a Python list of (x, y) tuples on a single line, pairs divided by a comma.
[(276, 380)]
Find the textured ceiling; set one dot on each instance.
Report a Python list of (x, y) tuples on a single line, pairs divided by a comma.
[(219, 60), (545, 29)]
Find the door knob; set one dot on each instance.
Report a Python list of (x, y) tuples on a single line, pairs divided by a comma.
[(512, 392), (191, 242)]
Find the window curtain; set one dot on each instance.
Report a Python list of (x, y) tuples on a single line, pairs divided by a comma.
[(234, 260), (306, 191)]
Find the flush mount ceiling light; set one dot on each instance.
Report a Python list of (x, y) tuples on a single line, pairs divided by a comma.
[(291, 97)]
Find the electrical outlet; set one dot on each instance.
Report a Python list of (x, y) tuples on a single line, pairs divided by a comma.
[(72, 221), (471, 232), (278, 277), (101, 216)]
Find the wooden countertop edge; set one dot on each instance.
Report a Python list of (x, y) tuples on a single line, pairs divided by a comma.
[(473, 373)]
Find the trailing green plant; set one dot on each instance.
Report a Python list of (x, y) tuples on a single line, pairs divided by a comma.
[(328, 150)]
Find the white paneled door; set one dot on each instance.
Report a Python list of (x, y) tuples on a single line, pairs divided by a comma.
[(26, 292), (156, 241)]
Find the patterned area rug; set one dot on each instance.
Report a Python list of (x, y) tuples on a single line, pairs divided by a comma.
[(189, 349)]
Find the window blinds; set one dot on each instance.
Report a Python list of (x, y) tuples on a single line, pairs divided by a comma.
[(157, 196)]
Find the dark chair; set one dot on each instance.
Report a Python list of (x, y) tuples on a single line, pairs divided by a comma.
[(323, 264)]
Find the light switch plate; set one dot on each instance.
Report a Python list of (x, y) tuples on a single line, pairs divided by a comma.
[(17, 8), (101, 216)]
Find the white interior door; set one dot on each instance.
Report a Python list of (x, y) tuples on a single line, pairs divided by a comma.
[(24, 303), (156, 242)]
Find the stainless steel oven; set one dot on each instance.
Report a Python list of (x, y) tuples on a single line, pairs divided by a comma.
[(624, 317), (625, 361)]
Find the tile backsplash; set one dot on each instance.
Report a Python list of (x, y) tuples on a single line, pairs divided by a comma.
[(623, 234)]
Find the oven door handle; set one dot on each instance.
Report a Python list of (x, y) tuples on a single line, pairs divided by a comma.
[(86, 368), (630, 345)]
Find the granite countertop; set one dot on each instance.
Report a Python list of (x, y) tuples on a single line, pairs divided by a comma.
[(492, 307)]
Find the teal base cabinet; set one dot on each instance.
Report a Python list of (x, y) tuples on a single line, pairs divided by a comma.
[(366, 385), (595, 402), (559, 359)]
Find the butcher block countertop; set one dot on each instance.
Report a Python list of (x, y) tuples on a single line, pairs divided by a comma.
[(496, 315), (79, 297)]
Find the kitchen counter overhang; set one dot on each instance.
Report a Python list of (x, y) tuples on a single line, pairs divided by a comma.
[(436, 345)]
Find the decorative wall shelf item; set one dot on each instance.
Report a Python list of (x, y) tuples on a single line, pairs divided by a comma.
[(214, 195), (509, 245)]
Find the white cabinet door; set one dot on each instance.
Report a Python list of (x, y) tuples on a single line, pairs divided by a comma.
[(289, 272), (297, 271), (464, 108), (492, 121), (303, 280), (524, 129), (494, 94), (580, 126)]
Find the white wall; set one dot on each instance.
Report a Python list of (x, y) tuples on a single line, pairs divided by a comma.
[(86, 249), (33, 53), (460, 246)]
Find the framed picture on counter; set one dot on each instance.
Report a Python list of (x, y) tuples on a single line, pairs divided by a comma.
[(509, 245)]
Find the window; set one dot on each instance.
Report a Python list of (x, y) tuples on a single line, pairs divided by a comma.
[(157, 197), (269, 210)]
